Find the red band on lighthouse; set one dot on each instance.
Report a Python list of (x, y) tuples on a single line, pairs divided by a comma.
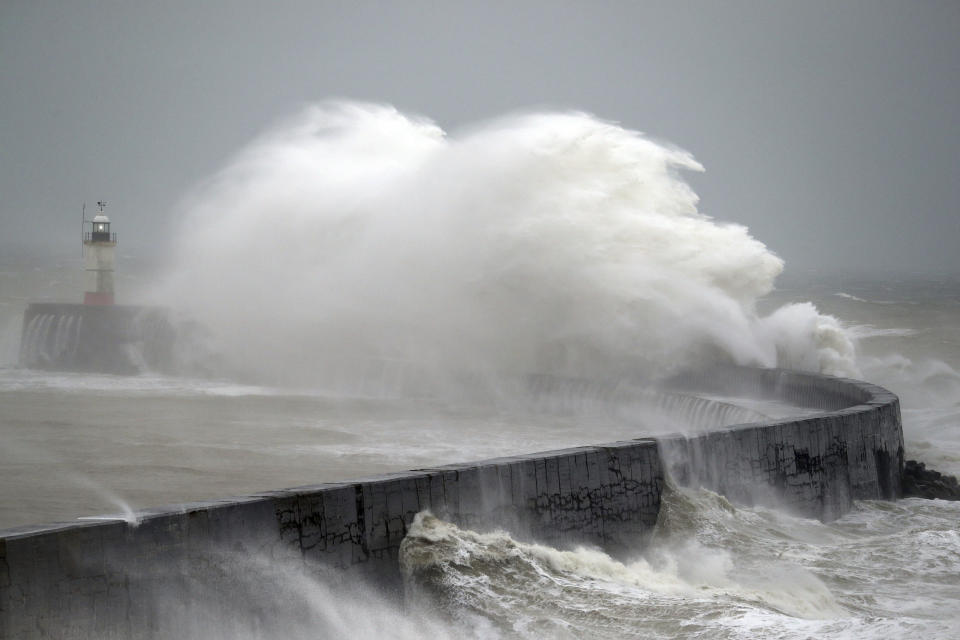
[(97, 298)]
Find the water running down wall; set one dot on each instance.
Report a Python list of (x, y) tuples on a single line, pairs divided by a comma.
[(116, 339), (107, 579)]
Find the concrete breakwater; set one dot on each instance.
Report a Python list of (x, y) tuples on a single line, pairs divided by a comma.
[(110, 578), (117, 339)]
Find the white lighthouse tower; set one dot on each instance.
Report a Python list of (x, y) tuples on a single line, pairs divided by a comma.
[(98, 259)]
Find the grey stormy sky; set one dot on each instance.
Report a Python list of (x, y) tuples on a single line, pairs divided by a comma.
[(829, 128)]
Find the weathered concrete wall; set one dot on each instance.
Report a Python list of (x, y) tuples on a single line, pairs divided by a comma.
[(815, 466), (107, 579)]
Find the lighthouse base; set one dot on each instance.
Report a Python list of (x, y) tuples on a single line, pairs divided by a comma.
[(98, 338)]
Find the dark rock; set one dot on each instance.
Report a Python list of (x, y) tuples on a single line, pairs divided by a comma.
[(920, 482)]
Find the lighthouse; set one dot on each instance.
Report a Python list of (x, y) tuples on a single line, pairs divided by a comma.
[(98, 259), (97, 336)]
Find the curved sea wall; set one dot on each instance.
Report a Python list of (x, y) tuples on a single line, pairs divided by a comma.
[(112, 579)]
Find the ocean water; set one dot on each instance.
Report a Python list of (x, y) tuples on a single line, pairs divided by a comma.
[(549, 243), (79, 445)]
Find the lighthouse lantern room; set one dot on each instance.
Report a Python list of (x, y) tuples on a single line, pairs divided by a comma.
[(98, 259)]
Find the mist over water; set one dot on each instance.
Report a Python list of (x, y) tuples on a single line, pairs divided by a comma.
[(540, 242)]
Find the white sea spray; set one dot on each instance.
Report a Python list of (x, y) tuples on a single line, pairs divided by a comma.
[(549, 242)]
